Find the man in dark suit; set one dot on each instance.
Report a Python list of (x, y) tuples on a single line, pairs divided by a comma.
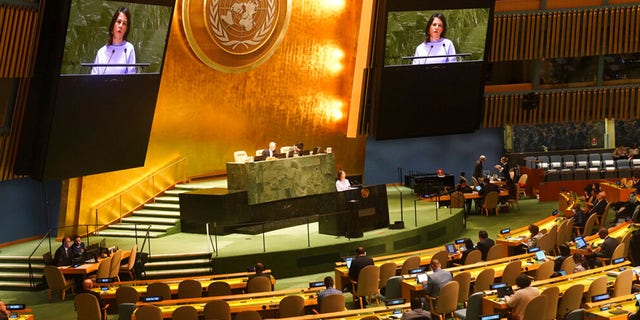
[(477, 170), (600, 204), (484, 244), (271, 151), (87, 286), (360, 261), (605, 250), (64, 255)]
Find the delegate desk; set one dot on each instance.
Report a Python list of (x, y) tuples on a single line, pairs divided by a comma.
[(264, 302), (286, 178), (89, 267), (616, 308), (342, 272), (516, 237), (616, 192), (594, 240), (492, 304), (411, 288), (383, 312), (237, 282)]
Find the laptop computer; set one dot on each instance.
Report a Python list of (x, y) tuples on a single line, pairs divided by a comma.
[(533, 249), (540, 256), (316, 150), (422, 277), (503, 289), (348, 260), (580, 243), (259, 158), (451, 248), (495, 316)]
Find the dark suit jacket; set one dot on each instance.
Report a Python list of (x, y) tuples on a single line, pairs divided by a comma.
[(484, 245), (265, 153), (598, 207), (488, 187), (477, 170), (607, 246), (357, 264), (436, 281), (62, 258)]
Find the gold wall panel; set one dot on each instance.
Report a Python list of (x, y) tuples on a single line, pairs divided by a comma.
[(300, 94)]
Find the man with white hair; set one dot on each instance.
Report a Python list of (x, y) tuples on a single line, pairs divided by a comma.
[(477, 171), (271, 151)]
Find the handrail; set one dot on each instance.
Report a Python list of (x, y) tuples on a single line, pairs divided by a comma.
[(159, 180), (31, 280)]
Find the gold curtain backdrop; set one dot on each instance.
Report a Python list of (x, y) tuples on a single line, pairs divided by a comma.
[(300, 94)]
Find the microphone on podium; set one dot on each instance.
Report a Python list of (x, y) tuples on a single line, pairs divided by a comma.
[(113, 51)]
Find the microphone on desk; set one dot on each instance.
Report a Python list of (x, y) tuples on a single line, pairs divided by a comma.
[(113, 51)]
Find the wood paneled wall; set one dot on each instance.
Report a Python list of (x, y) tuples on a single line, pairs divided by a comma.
[(19, 30), (564, 33), (571, 105)]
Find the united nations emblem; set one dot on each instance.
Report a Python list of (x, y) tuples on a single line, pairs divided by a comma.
[(245, 32)]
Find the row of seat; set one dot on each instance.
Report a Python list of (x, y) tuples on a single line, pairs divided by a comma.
[(583, 166)]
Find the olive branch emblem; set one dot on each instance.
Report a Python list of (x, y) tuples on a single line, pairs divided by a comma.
[(223, 36)]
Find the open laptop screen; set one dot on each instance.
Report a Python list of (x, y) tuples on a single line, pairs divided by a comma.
[(580, 243), (451, 248), (540, 256)]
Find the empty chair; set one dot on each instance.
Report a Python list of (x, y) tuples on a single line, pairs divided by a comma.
[(104, 269), (125, 294), (57, 282), (581, 167), (627, 242), (490, 203), (125, 310), (259, 284), (332, 303), (114, 268), (185, 313), (473, 257), (555, 163), (608, 166), (291, 306), (601, 221), (596, 287), (623, 167), (367, 284), (464, 282), (496, 252), (588, 226), (441, 256), (623, 283), (522, 183), (128, 268), (595, 164), (544, 271), (88, 307), (410, 263), (576, 314), (447, 301), (393, 288), (570, 300), (387, 270), (217, 310), (568, 165), (568, 265), (547, 241), (189, 288), (568, 232), (159, 289), (248, 315), (484, 280), (457, 200), (530, 162), (543, 162), (473, 309), (148, 312), (511, 272), (218, 288), (532, 311), (553, 294), (371, 317)]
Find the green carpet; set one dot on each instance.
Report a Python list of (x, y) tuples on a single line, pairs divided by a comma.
[(531, 210)]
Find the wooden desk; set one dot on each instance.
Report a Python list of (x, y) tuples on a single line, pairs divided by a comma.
[(594, 240), (355, 314), (616, 193), (88, 268), (237, 282), (411, 288), (467, 196), (264, 302), (517, 236), (626, 303), (491, 303), (342, 272)]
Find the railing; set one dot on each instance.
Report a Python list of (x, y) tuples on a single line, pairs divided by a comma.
[(123, 203)]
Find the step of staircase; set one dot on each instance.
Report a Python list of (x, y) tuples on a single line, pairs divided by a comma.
[(163, 206), (14, 272), (150, 220), (178, 265), (167, 199), (157, 213), (128, 233), (141, 228)]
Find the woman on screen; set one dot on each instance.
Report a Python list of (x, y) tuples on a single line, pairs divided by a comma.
[(435, 45), (117, 50)]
